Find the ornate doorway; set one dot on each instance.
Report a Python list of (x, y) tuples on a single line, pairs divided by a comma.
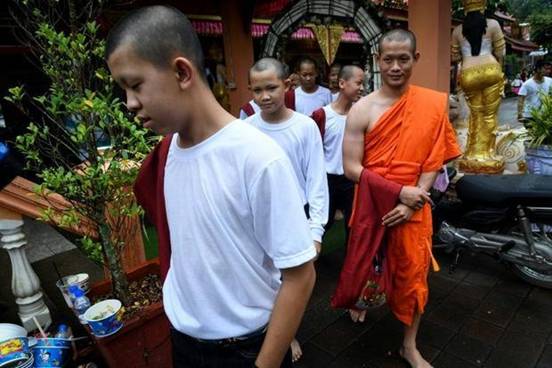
[(328, 14)]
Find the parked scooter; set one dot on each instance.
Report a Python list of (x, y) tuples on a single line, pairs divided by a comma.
[(508, 217)]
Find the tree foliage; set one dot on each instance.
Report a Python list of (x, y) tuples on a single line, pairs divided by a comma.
[(523, 9), (541, 28), (79, 112)]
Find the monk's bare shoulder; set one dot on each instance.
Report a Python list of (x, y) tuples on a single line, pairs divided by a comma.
[(360, 113)]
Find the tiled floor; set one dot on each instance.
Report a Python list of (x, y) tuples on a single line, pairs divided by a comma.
[(480, 316)]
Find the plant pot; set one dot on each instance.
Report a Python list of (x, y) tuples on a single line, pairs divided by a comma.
[(539, 160), (144, 340)]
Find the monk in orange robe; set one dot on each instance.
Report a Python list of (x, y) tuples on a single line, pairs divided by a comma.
[(402, 133)]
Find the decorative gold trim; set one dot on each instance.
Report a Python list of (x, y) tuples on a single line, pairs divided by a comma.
[(499, 43), (474, 5), (204, 17), (261, 21)]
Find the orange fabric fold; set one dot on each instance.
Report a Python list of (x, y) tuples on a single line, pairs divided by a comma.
[(412, 137)]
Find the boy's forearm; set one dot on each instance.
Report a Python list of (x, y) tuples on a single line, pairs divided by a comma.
[(286, 316)]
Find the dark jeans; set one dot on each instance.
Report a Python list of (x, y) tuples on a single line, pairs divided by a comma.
[(190, 353), (342, 192)]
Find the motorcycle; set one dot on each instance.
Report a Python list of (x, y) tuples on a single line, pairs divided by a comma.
[(508, 217)]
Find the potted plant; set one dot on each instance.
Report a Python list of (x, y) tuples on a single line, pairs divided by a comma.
[(84, 146), (539, 137)]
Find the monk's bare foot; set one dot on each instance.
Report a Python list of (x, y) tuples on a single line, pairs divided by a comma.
[(357, 315), (414, 358), (296, 352)]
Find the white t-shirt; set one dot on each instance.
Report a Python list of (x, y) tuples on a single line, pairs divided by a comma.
[(306, 103), (531, 89), (235, 217), (300, 138), (517, 82), (335, 96), (255, 107), (333, 141)]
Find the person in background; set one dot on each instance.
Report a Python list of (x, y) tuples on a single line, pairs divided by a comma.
[(309, 96), (331, 122), (530, 92), (295, 81), (548, 69), (298, 135), (516, 84), (333, 80)]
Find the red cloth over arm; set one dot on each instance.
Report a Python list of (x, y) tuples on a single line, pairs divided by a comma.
[(248, 109), (148, 190), (319, 117), (376, 196), (289, 99)]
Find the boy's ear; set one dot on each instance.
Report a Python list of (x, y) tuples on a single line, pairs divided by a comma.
[(184, 71)]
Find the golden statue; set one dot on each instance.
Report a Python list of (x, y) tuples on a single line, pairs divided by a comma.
[(479, 44)]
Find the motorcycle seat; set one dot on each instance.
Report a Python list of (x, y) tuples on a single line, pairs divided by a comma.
[(506, 190)]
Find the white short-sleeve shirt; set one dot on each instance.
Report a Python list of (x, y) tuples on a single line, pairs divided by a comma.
[(300, 138), (531, 89), (235, 218), (333, 141), (306, 103)]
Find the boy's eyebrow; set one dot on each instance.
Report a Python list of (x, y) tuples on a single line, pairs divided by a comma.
[(125, 80)]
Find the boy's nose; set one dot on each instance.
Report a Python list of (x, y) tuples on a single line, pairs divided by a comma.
[(132, 103)]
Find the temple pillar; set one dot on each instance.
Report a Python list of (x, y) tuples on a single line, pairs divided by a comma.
[(238, 52), (430, 20), (25, 283)]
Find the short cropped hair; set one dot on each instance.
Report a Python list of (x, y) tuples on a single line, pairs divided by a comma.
[(306, 60), (539, 64), (399, 35), (347, 71), (336, 65), (156, 34), (286, 70), (270, 63)]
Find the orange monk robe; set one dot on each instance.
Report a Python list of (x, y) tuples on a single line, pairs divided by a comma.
[(412, 137)]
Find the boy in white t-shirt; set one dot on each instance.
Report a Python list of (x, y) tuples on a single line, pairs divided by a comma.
[(333, 80), (234, 289), (332, 118), (300, 138), (529, 93), (310, 96)]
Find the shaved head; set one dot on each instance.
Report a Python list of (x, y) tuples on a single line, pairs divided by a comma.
[(157, 34), (348, 71), (270, 63), (398, 35), (307, 60)]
